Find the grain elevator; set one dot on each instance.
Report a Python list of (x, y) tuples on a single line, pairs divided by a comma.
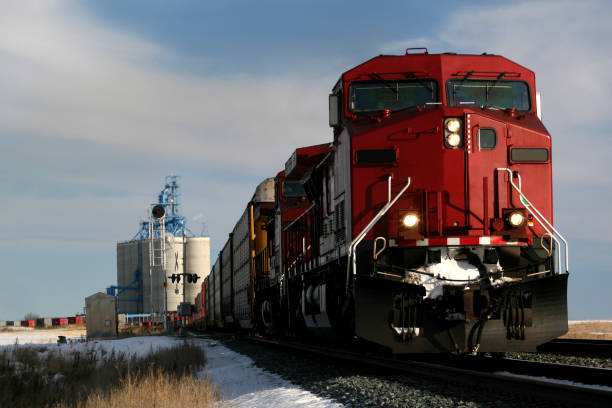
[(163, 247)]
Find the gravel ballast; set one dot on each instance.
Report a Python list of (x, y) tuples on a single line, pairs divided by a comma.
[(357, 386)]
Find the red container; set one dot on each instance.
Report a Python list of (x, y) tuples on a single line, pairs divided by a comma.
[(78, 319), (63, 321), (32, 323), (55, 321), (72, 320)]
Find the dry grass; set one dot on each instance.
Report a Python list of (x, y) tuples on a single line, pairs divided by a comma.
[(38, 376), (156, 389), (594, 329)]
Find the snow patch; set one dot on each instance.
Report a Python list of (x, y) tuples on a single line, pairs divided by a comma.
[(245, 385), (447, 272)]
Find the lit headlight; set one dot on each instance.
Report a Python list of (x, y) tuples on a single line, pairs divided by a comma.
[(453, 125), (516, 219), (410, 220), (453, 139), (453, 133)]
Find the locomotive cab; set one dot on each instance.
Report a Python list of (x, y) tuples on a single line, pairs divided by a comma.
[(441, 198)]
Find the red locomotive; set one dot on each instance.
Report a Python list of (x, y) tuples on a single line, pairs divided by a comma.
[(425, 226)]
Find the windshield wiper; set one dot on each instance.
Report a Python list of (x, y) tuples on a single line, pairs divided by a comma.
[(385, 83), (467, 75), (419, 80), (490, 106)]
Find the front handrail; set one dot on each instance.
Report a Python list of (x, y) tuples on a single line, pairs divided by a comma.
[(540, 218), (352, 262)]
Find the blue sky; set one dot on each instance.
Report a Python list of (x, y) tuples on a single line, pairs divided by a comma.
[(99, 101)]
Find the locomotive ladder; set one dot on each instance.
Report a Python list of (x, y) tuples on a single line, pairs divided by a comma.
[(552, 232), (352, 261)]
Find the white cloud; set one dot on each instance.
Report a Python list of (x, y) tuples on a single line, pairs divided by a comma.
[(65, 76), (566, 43)]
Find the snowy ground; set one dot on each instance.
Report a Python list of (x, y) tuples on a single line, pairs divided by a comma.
[(23, 335), (244, 385), (131, 346), (241, 383)]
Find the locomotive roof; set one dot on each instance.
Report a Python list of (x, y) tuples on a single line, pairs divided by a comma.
[(440, 65)]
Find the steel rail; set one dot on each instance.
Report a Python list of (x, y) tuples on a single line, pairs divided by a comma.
[(518, 377), (578, 346)]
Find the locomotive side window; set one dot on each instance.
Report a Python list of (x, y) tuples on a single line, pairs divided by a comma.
[(487, 139), (293, 189), (491, 93), (374, 96)]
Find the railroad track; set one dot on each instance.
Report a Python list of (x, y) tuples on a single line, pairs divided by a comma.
[(578, 346), (499, 375)]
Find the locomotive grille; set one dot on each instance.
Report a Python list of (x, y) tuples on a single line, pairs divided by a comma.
[(340, 225)]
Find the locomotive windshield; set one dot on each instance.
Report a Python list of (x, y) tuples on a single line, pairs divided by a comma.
[(492, 93), (393, 95)]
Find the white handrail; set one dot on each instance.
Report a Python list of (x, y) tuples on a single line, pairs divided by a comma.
[(540, 218), (352, 262)]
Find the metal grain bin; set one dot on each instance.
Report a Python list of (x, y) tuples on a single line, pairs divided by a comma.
[(130, 267), (197, 261)]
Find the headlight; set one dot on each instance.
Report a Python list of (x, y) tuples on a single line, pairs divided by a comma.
[(453, 139), (410, 220), (453, 133), (516, 219), (453, 125)]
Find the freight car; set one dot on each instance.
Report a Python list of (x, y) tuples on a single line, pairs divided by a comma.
[(426, 225)]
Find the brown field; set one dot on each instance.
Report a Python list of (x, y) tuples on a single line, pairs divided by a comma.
[(590, 329)]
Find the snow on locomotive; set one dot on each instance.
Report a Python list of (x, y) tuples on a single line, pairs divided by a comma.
[(425, 226)]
